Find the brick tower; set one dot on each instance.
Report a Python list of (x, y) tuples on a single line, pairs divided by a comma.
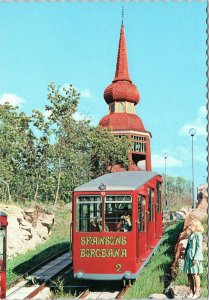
[(122, 96)]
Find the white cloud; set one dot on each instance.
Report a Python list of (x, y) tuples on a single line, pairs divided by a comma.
[(80, 117), (85, 93), (11, 99), (199, 123), (158, 161), (185, 153), (76, 116)]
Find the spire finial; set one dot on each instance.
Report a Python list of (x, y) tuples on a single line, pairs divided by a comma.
[(122, 14)]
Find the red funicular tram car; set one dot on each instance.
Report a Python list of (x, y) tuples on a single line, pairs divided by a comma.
[(3, 226), (117, 225)]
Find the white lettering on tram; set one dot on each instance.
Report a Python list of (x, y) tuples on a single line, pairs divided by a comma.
[(103, 253), (106, 240)]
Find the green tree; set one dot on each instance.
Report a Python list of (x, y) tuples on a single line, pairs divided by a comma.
[(16, 152), (81, 152), (178, 190), (44, 159)]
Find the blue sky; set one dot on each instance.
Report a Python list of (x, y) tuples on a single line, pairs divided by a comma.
[(77, 43)]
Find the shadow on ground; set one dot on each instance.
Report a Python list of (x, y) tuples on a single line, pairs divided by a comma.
[(39, 258)]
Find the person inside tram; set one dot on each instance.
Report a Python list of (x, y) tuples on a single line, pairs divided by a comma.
[(125, 223), (96, 224)]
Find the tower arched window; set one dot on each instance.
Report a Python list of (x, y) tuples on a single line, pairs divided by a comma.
[(121, 107), (112, 107), (129, 107)]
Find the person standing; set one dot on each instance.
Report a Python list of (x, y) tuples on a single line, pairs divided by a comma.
[(193, 257)]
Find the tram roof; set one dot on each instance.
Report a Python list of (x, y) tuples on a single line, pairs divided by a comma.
[(129, 180)]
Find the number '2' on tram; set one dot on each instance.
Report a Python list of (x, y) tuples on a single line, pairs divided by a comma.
[(117, 225)]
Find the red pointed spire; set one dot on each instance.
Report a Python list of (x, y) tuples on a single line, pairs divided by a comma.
[(122, 88), (121, 72)]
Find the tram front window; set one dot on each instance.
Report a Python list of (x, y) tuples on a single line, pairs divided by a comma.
[(89, 213), (118, 213), (2, 249)]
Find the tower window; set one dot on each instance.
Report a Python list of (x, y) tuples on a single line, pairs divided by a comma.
[(121, 107), (129, 108), (112, 107)]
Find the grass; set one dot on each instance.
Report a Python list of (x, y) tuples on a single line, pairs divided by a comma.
[(58, 241), (152, 278)]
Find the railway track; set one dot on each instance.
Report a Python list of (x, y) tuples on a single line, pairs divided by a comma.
[(35, 280), (104, 293)]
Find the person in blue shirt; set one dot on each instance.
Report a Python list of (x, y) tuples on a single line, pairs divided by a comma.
[(193, 257)]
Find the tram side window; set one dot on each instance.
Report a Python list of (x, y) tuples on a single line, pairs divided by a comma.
[(118, 213), (150, 204), (159, 197), (2, 249), (141, 213), (89, 213)]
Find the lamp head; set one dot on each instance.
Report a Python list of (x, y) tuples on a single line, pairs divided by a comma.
[(102, 186), (192, 131)]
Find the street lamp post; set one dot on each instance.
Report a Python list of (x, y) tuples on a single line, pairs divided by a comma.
[(192, 132), (166, 200)]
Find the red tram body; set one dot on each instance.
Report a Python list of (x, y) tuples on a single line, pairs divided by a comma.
[(3, 226), (117, 225)]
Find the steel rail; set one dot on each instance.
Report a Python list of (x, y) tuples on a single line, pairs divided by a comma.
[(41, 264), (43, 281)]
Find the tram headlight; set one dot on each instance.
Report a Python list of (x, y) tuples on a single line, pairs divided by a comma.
[(80, 274), (127, 275)]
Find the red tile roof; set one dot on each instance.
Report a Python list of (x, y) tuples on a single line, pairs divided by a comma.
[(121, 72), (121, 91), (122, 121)]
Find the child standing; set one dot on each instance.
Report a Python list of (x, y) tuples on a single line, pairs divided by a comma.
[(193, 259)]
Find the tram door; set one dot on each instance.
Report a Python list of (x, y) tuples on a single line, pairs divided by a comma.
[(3, 224), (142, 227), (151, 219), (158, 223)]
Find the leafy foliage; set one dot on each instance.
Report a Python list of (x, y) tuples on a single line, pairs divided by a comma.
[(44, 159), (178, 191)]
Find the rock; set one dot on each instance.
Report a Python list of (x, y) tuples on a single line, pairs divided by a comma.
[(176, 216), (186, 210), (178, 291), (26, 228), (202, 196), (29, 211), (199, 213), (47, 221), (180, 263), (41, 231), (157, 296)]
